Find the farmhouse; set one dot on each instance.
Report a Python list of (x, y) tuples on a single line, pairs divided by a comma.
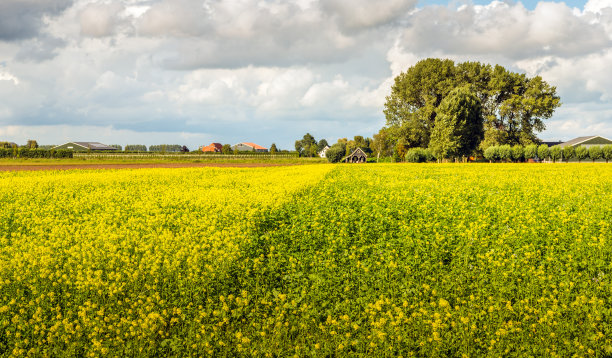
[(323, 152), (249, 147), (84, 146), (213, 148), (587, 142), (358, 156)]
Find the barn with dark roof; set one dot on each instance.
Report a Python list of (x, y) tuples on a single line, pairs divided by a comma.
[(249, 147), (588, 141), (85, 146), (357, 156)]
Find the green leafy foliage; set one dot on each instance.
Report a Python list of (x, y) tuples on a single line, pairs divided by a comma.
[(531, 151), (307, 146), (135, 148), (568, 153), (165, 148), (543, 152), (32, 144), (514, 106), (505, 152), (25, 152), (581, 153), (336, 152), (492, 153), (595, 153), (606, 152), (322, 144), (555, 153), (518, 153), (419, 155), (458, 127)]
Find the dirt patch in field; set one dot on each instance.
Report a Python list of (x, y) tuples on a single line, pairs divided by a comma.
[(26, 167)]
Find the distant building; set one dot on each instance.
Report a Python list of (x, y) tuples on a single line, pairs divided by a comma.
[(84, 146), (587, 142), (323, 152), (358, 156), (249, 147), (213, 148)]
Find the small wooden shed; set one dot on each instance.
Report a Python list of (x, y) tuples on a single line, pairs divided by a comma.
[(358, 156)]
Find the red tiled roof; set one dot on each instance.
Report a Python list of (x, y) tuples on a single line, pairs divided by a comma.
[(212, 147), (255, 146)]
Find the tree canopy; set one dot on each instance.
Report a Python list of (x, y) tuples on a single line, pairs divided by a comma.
[(513, 105), (307, 146), (458, 128)]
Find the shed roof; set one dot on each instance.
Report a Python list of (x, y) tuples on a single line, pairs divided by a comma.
[(91, 145), (358, 152), (253, 145)]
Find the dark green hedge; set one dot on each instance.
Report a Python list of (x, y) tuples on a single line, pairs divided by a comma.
[(34, 153)]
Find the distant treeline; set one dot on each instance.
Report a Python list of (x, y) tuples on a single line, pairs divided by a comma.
[(135, 148), (151, 148), (168, 148)]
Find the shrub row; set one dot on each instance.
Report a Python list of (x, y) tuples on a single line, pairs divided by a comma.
[(517, 153), (34, 153), (419, 155)]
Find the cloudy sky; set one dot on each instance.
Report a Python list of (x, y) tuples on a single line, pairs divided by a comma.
[(195, 71)]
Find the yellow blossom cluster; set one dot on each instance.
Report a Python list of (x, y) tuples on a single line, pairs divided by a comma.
[(98, 262)]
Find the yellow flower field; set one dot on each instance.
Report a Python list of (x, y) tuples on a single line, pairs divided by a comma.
[(320, 260)]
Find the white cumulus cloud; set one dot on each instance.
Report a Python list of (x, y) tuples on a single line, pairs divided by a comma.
[(269, 70)]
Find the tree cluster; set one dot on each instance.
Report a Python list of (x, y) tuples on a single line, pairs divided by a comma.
[(135, 148), (6, 145), (32, 144), (308, 146), (166, 148), (455, 109)]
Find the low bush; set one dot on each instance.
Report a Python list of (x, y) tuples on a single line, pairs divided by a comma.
[(335, 153), (24, 152)]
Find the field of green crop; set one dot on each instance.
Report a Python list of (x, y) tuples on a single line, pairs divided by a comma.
[(316, 260)]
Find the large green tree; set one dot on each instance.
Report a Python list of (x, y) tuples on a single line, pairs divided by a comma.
[(307, 146), (382, 143), (458, 127), (322, 144), (514, 106)]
